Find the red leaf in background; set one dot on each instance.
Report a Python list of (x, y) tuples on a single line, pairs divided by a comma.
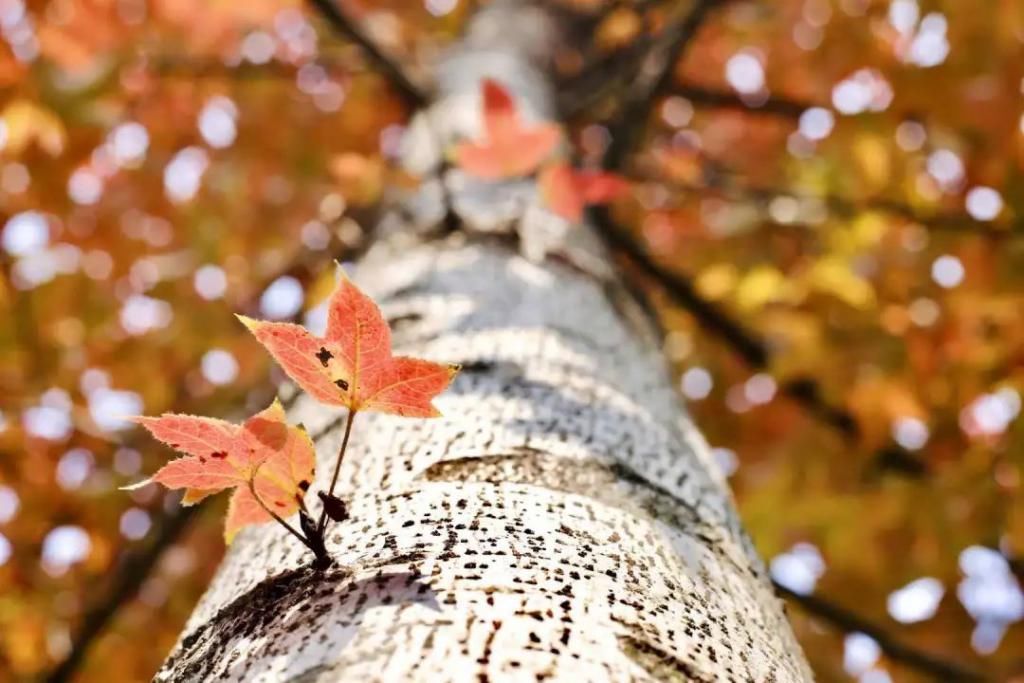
[(508, 148), (352, 365), (566, 191), (278, 459)]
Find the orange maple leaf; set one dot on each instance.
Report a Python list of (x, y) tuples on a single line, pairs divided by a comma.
[(264, 454), (566, 191), (508, 148), (352, 364)]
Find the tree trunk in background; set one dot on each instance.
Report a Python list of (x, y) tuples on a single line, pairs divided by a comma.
[(562, 521)]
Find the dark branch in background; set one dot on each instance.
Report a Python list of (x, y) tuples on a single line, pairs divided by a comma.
[(746, 343), (652, 81), (171, 66), (176, 66), (414, 97), (731, 186), (751, 349), (601, 77), (724, 99), (589, 88), (942, 669), (131, 573)]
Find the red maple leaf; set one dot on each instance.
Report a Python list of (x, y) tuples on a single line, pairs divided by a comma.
[(264, 453), (352, 364), (508, 147), (566, 191)]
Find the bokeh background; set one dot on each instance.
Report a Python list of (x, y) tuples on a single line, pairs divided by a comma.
[(842, 178)]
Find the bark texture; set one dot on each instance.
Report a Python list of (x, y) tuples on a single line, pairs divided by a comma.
[(563, 521)]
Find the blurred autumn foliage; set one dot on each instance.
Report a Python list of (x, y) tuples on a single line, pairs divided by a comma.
[(841, 179)]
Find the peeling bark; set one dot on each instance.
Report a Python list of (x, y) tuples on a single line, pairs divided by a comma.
[(563, 521)]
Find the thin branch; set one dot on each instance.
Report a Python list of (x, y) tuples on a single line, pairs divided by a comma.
[(776, 105), (653, 80), (601, 77), (171, 66), (129, 577), (599, 80), (322, 524), (746, 343), (278, 518), (942, 669), (414, 97), (731, 186)]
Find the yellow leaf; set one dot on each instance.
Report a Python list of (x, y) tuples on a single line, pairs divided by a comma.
[(360, 178), (877, 401), (717, 281), (26, 122), (619, 28), (872, 156), (797, 340), (1015, 516), (24, 643), (764, 285), (869, 228), (834, 276)]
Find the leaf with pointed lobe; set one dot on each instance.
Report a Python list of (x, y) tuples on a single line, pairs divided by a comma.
[(508, 148), (567, 191), (276, 458), (352, 364)]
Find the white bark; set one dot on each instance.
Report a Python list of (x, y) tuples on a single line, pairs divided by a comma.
[(563, 521)]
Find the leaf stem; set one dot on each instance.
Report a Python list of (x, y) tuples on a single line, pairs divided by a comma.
[(322, 524), (277, 517)]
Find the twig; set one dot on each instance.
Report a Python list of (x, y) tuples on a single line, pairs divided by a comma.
[(278, 518), (172, 66), (729, 185), (942, 669), (322, 524), (601, 77), (651, 83), (414, 97), (723, 99)]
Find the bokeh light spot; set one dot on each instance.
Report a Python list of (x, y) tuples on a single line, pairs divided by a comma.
[(219, 367), (696, 383), (282, 299)]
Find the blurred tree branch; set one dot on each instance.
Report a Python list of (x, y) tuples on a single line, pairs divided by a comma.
[(775, 105), (731, 186), (651, 82), (942, 669), (173, 66), (131, 572), (652, 79), (746, 343), (412, 94)]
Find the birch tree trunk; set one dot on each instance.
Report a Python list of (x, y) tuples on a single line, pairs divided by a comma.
[(563, 521)]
